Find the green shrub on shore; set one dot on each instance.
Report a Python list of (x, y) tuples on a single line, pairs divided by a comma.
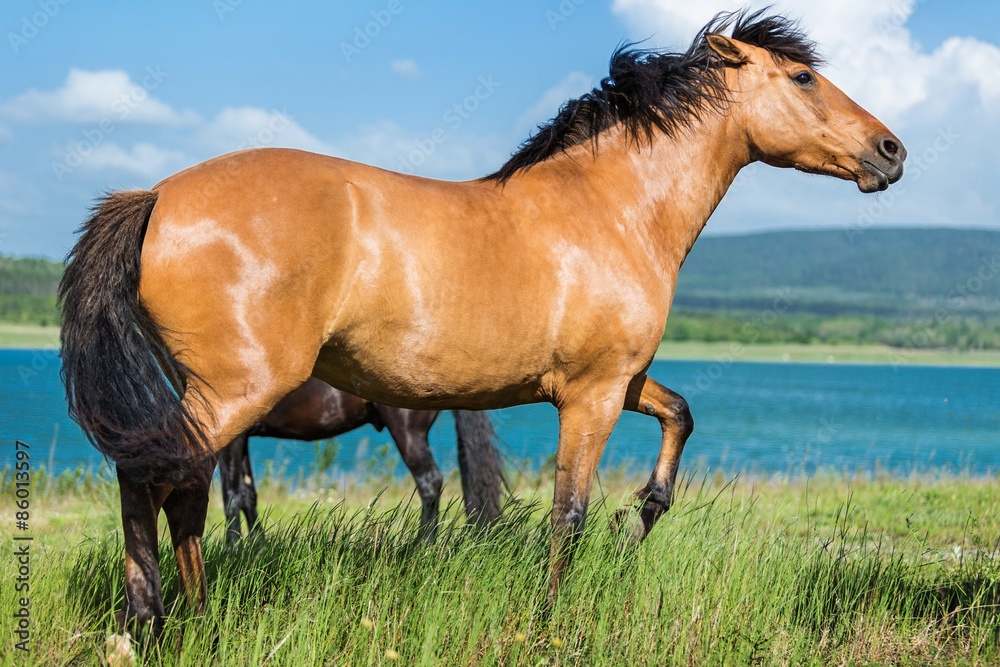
[(916, 332), (28, 290)]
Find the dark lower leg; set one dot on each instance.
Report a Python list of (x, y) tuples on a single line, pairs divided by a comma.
[(248, 492), (230, 466), (186, 508), (568, 519), (143, 606), (410, 436)]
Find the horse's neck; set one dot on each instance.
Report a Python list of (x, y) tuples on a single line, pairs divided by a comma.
[(683, 179), (661, 194)]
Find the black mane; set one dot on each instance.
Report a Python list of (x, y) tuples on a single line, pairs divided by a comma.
[(648, 90)]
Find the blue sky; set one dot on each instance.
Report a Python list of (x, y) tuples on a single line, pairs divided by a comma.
[(96, 96)]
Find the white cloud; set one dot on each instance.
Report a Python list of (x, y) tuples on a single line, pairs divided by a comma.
[(943, 103), (405, 68), (98, 96), (5, 134), (234, 128), (975, 63), (143, 158), (572, 85)]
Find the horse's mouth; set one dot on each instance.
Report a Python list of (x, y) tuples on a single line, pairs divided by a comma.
[(880, 179), (869, 176), (877, 180)]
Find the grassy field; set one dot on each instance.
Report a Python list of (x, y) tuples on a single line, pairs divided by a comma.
[(28, 336), (766, 571)]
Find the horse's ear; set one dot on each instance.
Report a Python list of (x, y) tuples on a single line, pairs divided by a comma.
[(728, 49)]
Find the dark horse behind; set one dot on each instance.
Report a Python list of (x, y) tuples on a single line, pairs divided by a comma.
[(316, 410)]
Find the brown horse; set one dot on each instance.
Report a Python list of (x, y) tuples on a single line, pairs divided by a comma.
[(549, 280), (316, 410)]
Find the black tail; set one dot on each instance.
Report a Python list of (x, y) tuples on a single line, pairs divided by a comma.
[(481, 466), (122, 384)]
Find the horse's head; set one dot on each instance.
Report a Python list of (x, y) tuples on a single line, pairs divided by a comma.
[(794, 117)]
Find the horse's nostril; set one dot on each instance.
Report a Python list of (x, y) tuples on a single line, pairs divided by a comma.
[(889, 148)]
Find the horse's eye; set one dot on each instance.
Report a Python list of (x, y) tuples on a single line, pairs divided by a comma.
[(804, 78)]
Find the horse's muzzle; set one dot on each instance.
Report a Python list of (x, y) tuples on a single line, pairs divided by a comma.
[(894, 153), (884, 167)]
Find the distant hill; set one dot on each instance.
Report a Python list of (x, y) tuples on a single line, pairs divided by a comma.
[(879, 271)]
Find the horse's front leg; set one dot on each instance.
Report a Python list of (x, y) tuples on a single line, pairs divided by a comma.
[(143, 589), (585, 422), (186, 508), (649, 397)]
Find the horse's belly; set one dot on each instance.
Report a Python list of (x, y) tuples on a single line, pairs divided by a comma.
[(429, 378)]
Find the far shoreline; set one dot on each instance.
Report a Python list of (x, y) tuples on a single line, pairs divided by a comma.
[(867, 355), (34, 337)]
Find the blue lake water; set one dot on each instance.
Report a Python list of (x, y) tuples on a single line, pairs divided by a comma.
[(750, 417)]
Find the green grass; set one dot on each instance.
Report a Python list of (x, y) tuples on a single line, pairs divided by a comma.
[(767, 571), (28, 336)]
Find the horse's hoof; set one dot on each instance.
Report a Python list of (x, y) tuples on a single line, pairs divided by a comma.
[(119, 651), (138, 628), (255, 539), (628, 525), (548, 607)]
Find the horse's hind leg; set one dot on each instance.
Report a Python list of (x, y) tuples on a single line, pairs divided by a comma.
[(229, 475), (224, 412), (248, 491), (186, 508), (186, 505), (648, 396), (140, 504), (409, 429), (242, 361)]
